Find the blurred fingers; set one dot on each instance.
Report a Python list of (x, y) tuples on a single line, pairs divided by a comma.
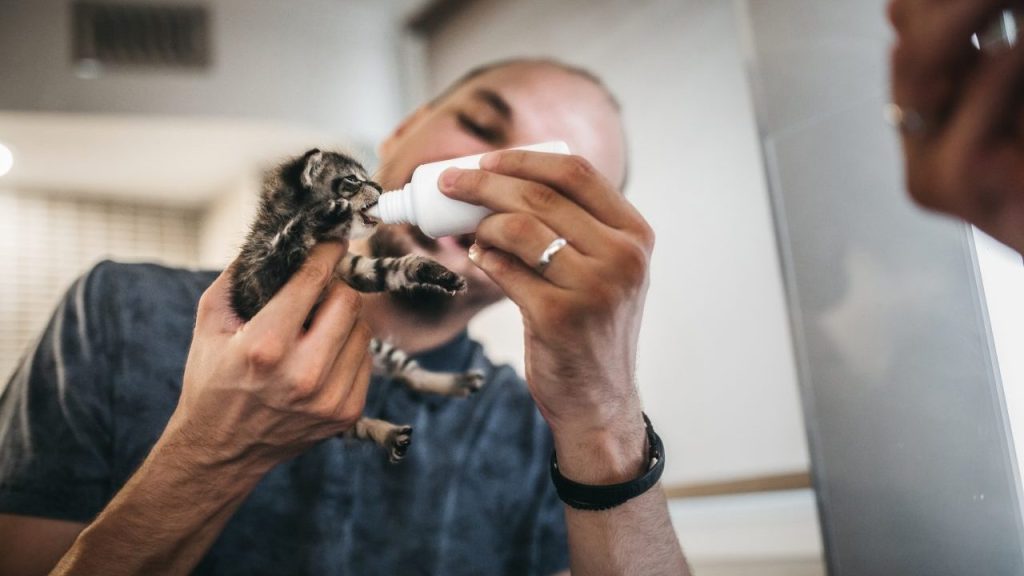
[(934, 51), (985, 144)]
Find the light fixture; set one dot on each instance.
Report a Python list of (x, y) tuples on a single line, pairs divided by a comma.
[(6, 159)]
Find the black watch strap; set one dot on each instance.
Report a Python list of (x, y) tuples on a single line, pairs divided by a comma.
[(590, 497)]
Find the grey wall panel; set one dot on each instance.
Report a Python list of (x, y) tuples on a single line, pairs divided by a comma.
[(910, 448), (909, 443)]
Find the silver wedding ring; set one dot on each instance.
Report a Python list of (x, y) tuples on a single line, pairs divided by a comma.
[(906, 120), (549, 253)]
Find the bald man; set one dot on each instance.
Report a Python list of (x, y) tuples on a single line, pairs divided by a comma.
[(126, 467)]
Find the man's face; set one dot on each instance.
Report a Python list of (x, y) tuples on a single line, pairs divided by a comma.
[(506, 107)]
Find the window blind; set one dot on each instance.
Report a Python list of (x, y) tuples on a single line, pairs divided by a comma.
[(47, 241)]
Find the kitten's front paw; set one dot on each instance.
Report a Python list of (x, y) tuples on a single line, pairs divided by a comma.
[(430, 275), (332, 213), (469, 382), (398, 443)]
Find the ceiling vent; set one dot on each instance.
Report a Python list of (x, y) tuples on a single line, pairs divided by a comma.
[(134, 35)]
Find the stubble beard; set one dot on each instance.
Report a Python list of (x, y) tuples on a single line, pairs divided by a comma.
[(395, 241)]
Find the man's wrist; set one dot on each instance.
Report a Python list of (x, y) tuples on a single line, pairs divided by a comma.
[(603, 452), (227, 473)]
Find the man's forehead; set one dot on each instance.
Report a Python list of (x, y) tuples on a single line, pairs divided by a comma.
[(545, 102), (544, 81)]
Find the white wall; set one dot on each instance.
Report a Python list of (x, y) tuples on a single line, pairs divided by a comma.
[(750, 534), (716, 364)]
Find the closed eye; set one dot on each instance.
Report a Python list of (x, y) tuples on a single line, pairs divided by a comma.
[(489, 135)]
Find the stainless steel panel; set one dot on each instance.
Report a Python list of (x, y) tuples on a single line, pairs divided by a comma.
[(910, 447)]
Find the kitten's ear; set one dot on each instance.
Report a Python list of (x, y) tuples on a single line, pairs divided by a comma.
[(312, 161)]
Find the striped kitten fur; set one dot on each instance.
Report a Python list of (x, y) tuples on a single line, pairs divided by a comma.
[(325, 196)]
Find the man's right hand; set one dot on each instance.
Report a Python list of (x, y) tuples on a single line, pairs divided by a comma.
[(260, 392), (255, 393), (967, 157)]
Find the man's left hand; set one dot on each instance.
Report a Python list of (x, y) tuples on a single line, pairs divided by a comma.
[(582, 314)]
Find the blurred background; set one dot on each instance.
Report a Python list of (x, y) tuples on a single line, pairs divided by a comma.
[(801, 310)]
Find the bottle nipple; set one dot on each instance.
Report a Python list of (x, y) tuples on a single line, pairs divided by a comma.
[(392, 207)]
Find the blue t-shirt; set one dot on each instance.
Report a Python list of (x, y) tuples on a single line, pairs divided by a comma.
[(94, 394)]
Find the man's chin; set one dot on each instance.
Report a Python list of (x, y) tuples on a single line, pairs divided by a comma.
[(393, 241), (390, 241), (425, 305)]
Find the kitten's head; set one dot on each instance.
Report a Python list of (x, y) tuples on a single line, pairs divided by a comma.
[(325, 176)]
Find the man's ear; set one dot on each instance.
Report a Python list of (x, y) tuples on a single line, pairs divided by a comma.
[(311, 163), (388, 143)]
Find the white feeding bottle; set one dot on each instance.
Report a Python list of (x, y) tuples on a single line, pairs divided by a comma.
[(421, 203)]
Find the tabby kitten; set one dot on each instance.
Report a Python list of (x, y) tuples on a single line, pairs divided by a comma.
[(326, 196)]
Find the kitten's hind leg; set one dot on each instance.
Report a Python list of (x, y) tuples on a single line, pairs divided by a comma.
[(397, 365), (409, 272), (393, 437)]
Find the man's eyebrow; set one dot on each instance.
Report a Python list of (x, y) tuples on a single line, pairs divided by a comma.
[(495, 101)]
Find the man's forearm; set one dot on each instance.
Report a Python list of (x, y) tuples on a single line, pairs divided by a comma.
[(633, 538), (253, 394), (165, 518)]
